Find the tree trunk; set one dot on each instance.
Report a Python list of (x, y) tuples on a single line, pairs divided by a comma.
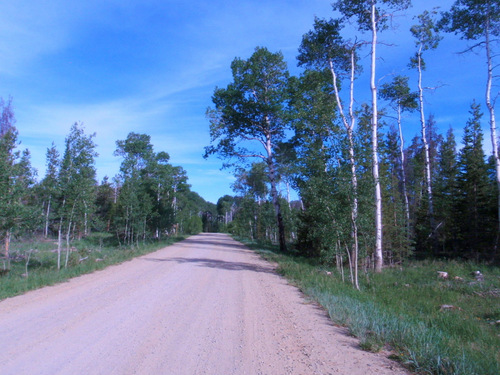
[(349, 125), (85, 221), (277, 207), (379, 260), (403, 172), (68, 235), (354, 211), (59, 244), (274, 191), (47, 215), (491, 109), (427, 160)]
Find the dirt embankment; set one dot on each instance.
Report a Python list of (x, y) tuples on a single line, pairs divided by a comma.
[(206, 305)]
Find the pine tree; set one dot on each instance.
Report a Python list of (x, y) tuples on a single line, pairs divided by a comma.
[(446, 194), (479, 21), (475, 222), (372, 16), (398, 93)]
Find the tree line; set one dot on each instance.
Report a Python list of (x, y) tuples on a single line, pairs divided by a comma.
[(148, 199), (367, 196)]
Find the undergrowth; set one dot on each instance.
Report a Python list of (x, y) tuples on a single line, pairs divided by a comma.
[(431, 326), (34, 263)]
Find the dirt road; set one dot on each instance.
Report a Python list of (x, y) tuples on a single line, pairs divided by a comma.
[(203, 306)]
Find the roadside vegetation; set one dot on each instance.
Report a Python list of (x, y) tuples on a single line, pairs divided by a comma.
[(381, 203), (33, 263), (431, 325)]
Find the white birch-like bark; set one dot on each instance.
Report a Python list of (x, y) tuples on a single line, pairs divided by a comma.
[(403, 172), (85, 220), (491, 109), (59, 236), (47, 215), (379, 259), (274, 191), (427, 161), (349, 125), (59, 244), (68, 235)]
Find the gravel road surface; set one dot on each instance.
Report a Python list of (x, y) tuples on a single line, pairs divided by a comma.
[(206, 305)]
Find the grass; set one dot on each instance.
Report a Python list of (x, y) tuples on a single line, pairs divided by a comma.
[(401, 310), (93, 253)]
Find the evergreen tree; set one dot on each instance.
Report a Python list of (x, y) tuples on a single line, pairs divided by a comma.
[(398, 93), (446, 194), (475, 222), (426, 38), (396, 224), (372, 16), (105, 206), (425, 156), (479, 21)]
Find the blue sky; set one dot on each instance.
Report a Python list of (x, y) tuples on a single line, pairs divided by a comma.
[(151, 66)]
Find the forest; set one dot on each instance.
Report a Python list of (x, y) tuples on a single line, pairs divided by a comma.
[(367, 197), (396, 237), (148, 199)]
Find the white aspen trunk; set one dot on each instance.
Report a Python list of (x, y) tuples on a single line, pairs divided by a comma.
[(379, 259), (354, 211), (491, 108), (354, 176), (85, 221), (47, 215), (427, 161), (403, 172), (158, 199), (350, 264), (59, 237), (274, 192), (68, 234), (349, 125), (59, 245), (276, 203)]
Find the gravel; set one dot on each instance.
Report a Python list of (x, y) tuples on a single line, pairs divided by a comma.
[(206, 305)]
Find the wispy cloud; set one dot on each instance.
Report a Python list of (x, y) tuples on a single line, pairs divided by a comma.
[(150, 66)]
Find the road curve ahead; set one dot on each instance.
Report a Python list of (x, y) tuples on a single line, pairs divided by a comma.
[(206, 305)]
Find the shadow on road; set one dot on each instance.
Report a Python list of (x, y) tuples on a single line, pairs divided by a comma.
[(216, 263), (224, 242)]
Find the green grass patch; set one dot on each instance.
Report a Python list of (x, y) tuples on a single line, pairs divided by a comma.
[(402, 310), (90, 254)]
